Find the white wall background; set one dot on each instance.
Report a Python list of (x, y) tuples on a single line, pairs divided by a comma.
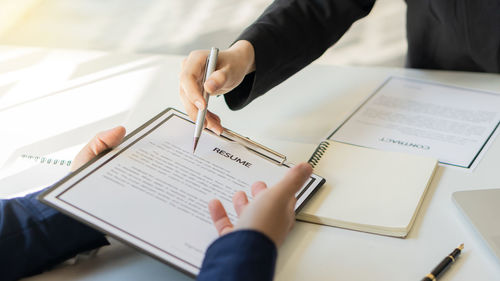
[(178, 26)]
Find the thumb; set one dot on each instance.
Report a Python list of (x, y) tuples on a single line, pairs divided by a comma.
[(294, 180), (98, 144), (216, 81), (107, 139)]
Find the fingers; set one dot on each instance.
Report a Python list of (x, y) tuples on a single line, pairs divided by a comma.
[(257, 188), (294, 179), (190, 90), (216, 81), (98, 144), (240, 201), (191, 109), (291, 206), (292, 223), (105, 140), (290, 212), (111, 138), (219, 217), (213, 123), (232, 66), (191, 76)]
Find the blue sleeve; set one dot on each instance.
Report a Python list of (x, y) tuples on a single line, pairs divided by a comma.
[(35, 237), (241, 255)]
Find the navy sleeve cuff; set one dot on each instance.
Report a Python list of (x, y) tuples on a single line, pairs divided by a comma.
[(240, 255), (35, 237)]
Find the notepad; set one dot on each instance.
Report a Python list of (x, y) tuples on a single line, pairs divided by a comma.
[(368, 190)]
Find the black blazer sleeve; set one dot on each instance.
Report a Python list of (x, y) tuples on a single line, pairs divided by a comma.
[(289, 35)]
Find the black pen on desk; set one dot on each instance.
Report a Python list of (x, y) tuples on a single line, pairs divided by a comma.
[(444, 264), (200, 119)]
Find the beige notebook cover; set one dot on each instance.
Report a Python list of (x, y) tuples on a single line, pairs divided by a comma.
[(368, 190)]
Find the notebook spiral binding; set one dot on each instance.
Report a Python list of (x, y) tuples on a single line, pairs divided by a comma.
[(47, 160), (318, 153)]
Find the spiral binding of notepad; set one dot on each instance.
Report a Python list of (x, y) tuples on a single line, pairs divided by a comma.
[(46, 160), (318, 153)]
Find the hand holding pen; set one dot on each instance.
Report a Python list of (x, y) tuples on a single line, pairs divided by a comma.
[(200, 119), (233, 65)]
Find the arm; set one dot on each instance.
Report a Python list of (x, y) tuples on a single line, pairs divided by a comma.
[(35, 237), (249, 253), (241, 255), (288, 36)]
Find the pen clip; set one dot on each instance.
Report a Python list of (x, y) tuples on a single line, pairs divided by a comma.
[(255, 147), (202, 83), (210, 65)]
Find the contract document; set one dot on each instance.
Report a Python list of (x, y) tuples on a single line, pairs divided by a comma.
[(152, 192), (454, 125)]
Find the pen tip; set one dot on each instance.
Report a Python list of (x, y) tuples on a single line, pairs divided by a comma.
[(195, 143), (461, 247)]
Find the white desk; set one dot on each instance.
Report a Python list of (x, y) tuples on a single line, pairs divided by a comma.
[(304, 109)]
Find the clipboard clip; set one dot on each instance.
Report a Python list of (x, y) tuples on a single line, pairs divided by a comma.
[(255, 147)]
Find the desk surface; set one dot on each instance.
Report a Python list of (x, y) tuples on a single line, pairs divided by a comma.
[(129, 89)]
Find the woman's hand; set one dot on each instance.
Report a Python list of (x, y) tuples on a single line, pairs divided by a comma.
[(232, 66)]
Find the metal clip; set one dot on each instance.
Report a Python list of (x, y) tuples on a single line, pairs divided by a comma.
[(255, 147)]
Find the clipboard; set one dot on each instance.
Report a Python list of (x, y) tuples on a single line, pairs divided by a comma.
[(122, 212), (251, 145)]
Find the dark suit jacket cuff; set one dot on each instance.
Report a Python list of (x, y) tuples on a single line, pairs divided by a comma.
[(240, 96), (35, 237), (265, 77), (240, 255)]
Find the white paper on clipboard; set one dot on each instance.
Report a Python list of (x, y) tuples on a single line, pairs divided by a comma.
[(152, 192)]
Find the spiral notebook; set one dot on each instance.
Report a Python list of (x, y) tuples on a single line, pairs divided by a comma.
[(30, 172), (366, 189), (46, 160)]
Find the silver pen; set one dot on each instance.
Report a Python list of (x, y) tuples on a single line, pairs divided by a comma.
[(200, 119)]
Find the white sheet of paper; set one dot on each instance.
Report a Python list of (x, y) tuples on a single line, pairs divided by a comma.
[(152, 192), (454, 125)]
